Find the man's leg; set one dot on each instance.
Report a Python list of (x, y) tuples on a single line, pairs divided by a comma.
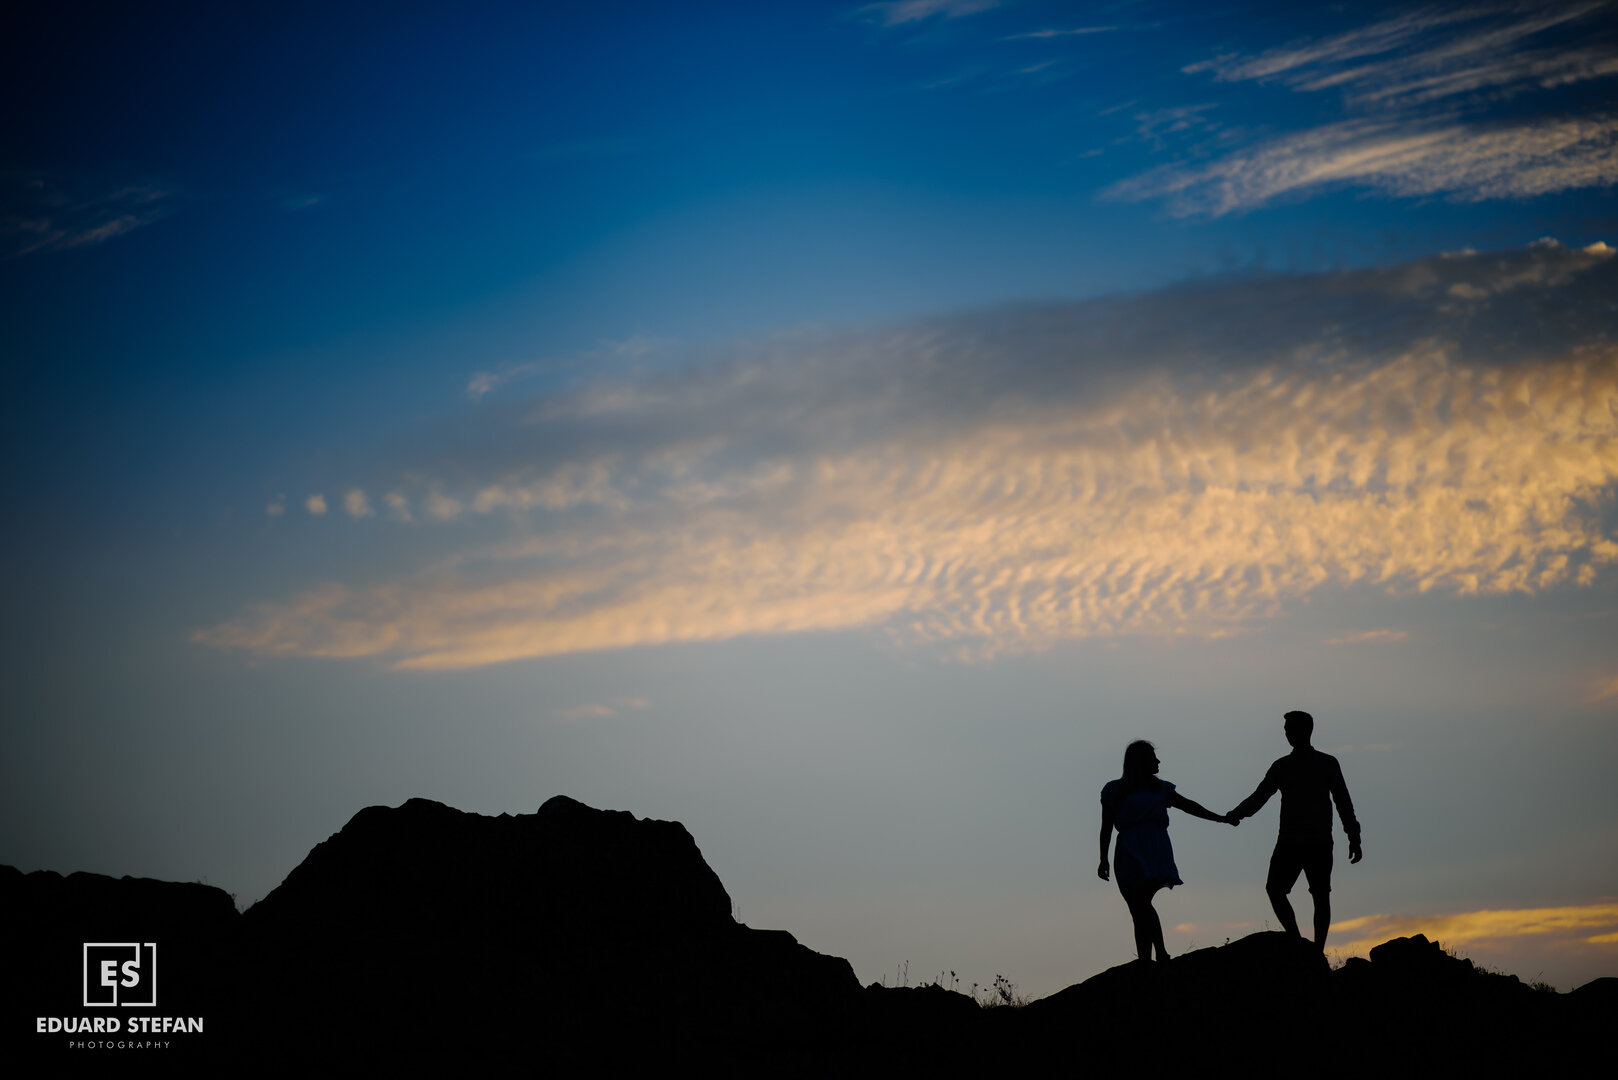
[(1317, 869), (1283, 911), (1284, 870)]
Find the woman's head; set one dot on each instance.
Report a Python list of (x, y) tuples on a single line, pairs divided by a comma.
[(1140, 761)]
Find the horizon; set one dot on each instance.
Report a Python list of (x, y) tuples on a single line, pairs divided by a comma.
[(840, 428)]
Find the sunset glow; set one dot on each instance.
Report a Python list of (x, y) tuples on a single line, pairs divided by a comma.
[(1566, 927), (841, 428)]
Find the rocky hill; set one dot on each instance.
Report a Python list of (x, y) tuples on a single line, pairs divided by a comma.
[(593, 941)]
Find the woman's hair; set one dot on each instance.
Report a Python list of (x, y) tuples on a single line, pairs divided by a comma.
[(1138, 765)]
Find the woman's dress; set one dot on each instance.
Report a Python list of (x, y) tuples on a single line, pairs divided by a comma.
[(1143, 854)]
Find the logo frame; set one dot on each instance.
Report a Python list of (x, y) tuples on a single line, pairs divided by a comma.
[(145, 959)]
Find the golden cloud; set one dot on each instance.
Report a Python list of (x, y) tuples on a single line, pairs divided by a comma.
[(1573, 923), (1602, 690), (1176, 498), (1173, 509), (1369, 637)]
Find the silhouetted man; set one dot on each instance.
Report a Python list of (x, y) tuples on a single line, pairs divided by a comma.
[(1308, 782)]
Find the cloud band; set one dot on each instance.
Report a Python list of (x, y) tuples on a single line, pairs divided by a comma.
[(1016, 481)]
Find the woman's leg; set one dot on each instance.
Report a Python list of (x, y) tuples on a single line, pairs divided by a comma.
[(1148, 927), (1139, 905), (1157, 927)]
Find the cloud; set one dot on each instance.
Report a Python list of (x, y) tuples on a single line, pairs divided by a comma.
[(1155, 126), (1421, 92), (587, 712), (1602, 690), (1377, 38), (898, 12), (441, 507), (1077, 31), (1466, 162), (1431, 54), (1368, 637), (398, 506), (49, 213), (1226, 929), (315, 504), (484, 383), (603, 712), (276, 507), (356, 505), (1588, 924), (1180, 463)]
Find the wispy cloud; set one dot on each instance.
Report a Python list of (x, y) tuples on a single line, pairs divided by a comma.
[(1214, 929), (1465, 162), (587, 712), (1048, 34), (1369, 637), (1421, 90), (597, 711), (1587, 924), (898, 12), (483, 383), (1409, 28), (1158, 126), (52, 214), (1602, 690), (1179, 463), (315, 504), (1429, 54)]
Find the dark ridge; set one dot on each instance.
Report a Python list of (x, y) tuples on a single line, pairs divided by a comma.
[(595, 942), (47, 918), (553, 936)]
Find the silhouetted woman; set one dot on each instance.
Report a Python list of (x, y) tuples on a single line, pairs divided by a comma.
[(1137, 804)]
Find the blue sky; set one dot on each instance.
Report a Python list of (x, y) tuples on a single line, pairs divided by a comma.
[(838, 428)]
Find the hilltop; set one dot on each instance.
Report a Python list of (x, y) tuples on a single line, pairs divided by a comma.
[(592, 940)]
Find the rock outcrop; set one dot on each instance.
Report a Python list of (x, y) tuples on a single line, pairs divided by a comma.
[(1269, 1003), (569, 937)]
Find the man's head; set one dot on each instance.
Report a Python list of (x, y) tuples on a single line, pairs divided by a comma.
[(1300, 726)]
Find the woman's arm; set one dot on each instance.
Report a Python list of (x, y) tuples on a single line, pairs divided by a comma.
[(1102, 871), (1196, 809)]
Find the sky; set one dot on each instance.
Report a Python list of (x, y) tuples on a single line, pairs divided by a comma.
[(838, 428)]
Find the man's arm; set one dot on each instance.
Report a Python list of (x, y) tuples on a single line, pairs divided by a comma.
[(1261, 795), (1345, 810)]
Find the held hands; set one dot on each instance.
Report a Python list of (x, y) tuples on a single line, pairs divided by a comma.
[(1231, 819), (1102, 872)]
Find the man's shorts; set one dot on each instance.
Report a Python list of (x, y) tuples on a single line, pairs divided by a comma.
[(1311, 858)]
